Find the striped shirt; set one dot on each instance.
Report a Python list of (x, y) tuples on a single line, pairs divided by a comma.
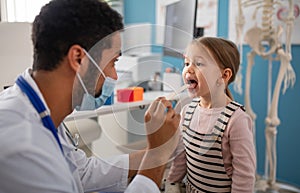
[(206, 170)]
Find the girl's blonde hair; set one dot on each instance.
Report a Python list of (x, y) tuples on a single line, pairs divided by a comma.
[(225, 53)]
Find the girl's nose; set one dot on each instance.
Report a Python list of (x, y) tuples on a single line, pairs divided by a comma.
[(190, 68)]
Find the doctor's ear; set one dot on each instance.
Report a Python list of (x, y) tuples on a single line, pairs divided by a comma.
[(75, 56), (227, 74)]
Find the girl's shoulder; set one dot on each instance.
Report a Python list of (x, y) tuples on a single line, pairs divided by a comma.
[(239, 109), (240, 117)]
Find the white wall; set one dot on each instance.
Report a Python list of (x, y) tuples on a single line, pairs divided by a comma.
[(16, 51)]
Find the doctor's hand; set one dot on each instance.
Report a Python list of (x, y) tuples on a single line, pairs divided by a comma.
[(161, 124), (163, 135)]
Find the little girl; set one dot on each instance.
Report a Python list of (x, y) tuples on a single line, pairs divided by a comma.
[(217, 134)]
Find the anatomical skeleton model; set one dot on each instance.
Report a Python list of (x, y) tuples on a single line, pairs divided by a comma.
[(265, 42)]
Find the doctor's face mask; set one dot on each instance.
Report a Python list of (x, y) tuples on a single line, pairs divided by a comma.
[(97, 76), (89, 102)]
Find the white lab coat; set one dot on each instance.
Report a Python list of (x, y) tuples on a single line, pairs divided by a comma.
[(31, 160)]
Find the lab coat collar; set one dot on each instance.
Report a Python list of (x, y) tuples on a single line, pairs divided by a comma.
[(27, 76), (67, 147)]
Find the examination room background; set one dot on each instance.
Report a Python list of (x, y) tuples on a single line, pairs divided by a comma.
[(288, 143)]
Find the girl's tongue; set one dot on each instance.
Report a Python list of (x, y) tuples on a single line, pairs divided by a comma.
[(192, 84)]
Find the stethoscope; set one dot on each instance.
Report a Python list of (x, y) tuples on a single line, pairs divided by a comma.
[(74, 140), (45, 117)]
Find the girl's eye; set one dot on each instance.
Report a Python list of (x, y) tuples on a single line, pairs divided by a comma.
[(199, 64), (186, 64)]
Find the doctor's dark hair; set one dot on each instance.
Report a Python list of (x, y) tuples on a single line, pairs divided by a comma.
[(225, 53), (63, 23)]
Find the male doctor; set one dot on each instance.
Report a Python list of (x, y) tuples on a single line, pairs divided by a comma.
[(76, 43)]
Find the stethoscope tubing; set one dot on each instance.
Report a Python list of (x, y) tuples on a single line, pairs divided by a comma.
[(40, 108)]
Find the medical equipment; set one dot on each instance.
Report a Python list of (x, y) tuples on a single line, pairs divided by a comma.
[(173, 95), (137, 68), (74, 140), (40, 108)]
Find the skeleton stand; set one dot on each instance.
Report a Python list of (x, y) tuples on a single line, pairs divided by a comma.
[(257, 37)]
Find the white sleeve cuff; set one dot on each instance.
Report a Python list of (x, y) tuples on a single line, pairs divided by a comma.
[(142, 184), (121, 161)]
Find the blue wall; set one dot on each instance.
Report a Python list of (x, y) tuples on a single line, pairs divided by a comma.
[(288, 168), (139, 11)]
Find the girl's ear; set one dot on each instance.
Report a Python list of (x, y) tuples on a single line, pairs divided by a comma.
[(75, 56), (227, 74)]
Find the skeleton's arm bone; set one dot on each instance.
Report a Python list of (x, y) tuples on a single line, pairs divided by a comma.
[(249, 3), (289, 26)]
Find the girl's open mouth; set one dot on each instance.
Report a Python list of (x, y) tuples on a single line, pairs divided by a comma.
[(192, 83)]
